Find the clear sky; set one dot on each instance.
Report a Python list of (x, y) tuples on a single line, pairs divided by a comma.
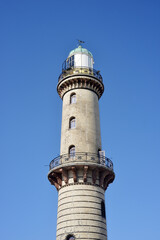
[(35, 38)]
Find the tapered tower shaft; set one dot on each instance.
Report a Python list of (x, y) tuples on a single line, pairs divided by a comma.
[(85, 112), (81, 173)]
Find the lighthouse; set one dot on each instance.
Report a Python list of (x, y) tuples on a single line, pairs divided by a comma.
[(82, 172)]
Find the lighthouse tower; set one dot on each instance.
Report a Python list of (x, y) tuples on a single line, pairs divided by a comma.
[(82, 172)]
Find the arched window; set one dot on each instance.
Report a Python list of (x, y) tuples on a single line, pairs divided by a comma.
[(72, 122), (73, 98), (72, 151), (70, 237), (103, 210)]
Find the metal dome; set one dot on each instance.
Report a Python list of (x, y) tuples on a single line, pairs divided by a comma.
[(79, 49)]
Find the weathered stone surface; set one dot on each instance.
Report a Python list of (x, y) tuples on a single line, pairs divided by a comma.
[(86, 136), (81, 179), (79, 212)]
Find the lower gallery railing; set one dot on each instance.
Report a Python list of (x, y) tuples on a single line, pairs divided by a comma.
[(81, 157)]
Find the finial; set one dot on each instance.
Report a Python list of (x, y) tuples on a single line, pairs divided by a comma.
[(80, 42)]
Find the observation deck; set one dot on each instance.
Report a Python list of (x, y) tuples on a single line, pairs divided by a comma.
[(99, 167), (80, 71), (79, 158), (80, 77)]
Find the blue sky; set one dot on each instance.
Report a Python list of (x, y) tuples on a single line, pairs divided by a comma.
[(35, 38)]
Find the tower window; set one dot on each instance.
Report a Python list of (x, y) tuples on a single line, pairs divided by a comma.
[(72, 122), (72, 151), (73, 98), (70, 237), (103, 210)]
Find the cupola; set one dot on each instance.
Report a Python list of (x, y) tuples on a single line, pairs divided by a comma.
[(79, 57)]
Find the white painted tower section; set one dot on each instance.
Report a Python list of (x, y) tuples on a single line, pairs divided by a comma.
[(80, 174)]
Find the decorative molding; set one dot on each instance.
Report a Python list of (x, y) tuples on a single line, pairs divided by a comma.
[(94, 175), (85, 173), (82, 183), (108, 179), (102, 177), (74, 172), (58, 177), (65, 175), (105, 176), (85, 82), (53, 182)]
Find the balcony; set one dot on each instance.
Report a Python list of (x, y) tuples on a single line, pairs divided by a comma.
[(79, 158), (73, 71)]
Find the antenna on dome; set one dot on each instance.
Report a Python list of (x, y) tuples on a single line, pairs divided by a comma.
[(80, 42)]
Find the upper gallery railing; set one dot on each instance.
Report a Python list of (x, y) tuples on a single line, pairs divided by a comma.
[(81, 157), (80, 70)]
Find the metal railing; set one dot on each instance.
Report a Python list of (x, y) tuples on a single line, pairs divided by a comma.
[(80, 70), (81, 157)]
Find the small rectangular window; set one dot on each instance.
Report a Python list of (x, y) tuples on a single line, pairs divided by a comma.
[(73, 98)]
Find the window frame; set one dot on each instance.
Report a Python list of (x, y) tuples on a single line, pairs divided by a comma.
[(103, 209), (72, 151), (70, 236), (72, 123), (73, 98)]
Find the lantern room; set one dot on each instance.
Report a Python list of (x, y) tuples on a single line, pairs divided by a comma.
[(79, 57)]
